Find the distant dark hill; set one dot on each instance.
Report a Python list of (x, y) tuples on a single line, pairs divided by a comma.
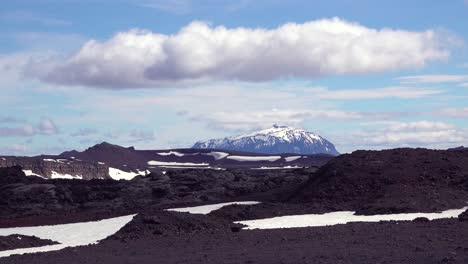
[(113, 155), (108, 161), (132, 159), (390, 181), (459, 148)]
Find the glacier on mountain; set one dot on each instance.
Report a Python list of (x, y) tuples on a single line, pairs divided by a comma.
[(274, 140)]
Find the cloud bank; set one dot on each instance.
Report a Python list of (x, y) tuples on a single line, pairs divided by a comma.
[(411, 134), (45, 127), (249, 121), (201, 52)]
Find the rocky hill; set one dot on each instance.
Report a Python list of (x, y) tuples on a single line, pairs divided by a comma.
[(390, 181), (108, 161), (278, 139), (22, 196), (54, 167)]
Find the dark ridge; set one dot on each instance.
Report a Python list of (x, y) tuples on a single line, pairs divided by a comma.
[(458, 148), (390, 181), (20, 241)]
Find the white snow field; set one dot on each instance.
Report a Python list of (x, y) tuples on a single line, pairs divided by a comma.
[(56, 175), (336, 218), (217, 155), (206, 209), (188, 167), (254, 158), (68, 235), (31, 173), (292, 158), (278, 168), (175, 153), (117, 174), (163, 163)]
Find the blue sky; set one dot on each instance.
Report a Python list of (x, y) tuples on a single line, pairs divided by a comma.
[(164, 74)]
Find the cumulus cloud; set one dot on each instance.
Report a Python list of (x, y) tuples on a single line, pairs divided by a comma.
[(453, 112), (15, 149), (376, 93), (22, 131), (413, 134), (432, 79), (140, 58), (137, 135), (29, 17), (173, 6), (45, 127), (248, 121), (10, 119), (84, 132)]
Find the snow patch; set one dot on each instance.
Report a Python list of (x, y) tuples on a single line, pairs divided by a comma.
[(217, 155), (255, 158), (206, 209), (175, 153), (292, 158), (56, 175), (3, 159), (50, 160), (188, 167), (31, 173), (278, 168), (163, 163), (117, 174), (336, 218), (68, 235)]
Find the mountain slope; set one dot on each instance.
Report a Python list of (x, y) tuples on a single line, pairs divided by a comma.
[(390, 181), (277, 139)]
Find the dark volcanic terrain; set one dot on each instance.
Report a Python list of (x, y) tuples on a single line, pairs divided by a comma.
[(20, 241), (368, 182), (107, 161), (183, 238)]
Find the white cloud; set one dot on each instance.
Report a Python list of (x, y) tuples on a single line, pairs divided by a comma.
[(137, 135), (21, 131), (432, 79), (453, 112), (415, 126), (45, 127), (199, 52), (15, 149), (464, 85), (173, 6), (10, 119), (29, 17), (248, 121), (412, 134), (376, 93)]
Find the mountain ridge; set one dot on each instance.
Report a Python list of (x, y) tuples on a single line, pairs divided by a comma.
[(274, 140)]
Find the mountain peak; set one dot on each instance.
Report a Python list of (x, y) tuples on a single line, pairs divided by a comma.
[(106, 145), (278, 126), (273, 140)]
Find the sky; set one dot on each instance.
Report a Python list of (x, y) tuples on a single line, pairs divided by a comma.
[(159, 74)]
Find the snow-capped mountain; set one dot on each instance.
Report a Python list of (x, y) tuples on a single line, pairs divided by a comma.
[(277, 139)]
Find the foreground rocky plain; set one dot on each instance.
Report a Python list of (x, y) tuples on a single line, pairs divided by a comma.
[(368, 182)]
